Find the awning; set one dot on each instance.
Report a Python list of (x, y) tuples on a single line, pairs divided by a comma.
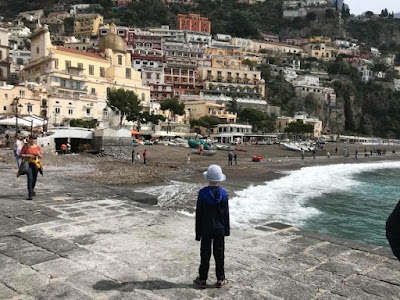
[(134, 132)]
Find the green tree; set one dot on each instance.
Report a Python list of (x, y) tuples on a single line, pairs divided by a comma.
[(209, 122), (252, 116), (126, 102), (92, 123), (233, 106), (250, 63), (299, 127), (173, 106), (384, 13)]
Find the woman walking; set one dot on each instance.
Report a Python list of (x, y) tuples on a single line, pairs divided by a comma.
[(32, 153)]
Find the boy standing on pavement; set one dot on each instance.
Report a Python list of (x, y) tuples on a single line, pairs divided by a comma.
[(212, 225)]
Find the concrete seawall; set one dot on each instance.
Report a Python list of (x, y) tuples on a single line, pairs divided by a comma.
[(79, 240)]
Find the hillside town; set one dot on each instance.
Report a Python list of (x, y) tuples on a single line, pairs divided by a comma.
[(50, 77)]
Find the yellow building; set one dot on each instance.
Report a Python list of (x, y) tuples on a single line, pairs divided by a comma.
[(283, 122), (243, 83), (224, 52), (319, 40), (32, 98), (321, 51), (77, 82), (198, 109), (87, 25)]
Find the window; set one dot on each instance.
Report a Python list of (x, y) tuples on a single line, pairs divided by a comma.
[(88, 112), (128, 73), (120, 60), (93, 91), (5, 96), (37, 50), (70, 111), (29, 108), (67, 64), (22, 94), (57, 110), (91, 70), (105, 113), (102, 72), (80, 66), (56, 63), (143, 97), (4, 107), (148, 75)]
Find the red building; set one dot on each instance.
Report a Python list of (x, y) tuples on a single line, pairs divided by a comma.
[(193, 22), (121, 3)]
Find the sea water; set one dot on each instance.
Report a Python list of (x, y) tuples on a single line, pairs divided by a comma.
[(348, 200), (352, 201)]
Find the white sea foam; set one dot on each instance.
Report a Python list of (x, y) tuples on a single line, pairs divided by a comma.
[(285, 199)]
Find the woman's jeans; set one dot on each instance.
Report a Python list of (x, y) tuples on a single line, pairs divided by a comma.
[(17, 158), (32, 176)]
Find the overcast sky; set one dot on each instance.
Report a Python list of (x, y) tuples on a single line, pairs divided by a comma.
[(359, 6)]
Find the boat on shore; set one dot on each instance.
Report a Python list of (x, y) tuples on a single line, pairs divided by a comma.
[(299, 146)]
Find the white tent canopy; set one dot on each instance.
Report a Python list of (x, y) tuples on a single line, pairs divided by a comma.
[(25, 121)]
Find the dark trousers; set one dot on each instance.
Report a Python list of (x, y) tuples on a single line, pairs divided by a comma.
[(144, 160), (218, 244), (32, 176)]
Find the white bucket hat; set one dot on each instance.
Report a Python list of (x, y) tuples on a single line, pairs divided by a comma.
[(214, 174)]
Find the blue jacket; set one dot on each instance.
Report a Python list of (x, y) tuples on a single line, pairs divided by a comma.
[(212, 212), (393, 230)]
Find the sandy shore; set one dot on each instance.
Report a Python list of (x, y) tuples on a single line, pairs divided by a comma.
[(167, 163)]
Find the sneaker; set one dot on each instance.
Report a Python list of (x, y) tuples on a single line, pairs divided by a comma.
[(201, 283), (29, 198), (34, 193), (220, 283)]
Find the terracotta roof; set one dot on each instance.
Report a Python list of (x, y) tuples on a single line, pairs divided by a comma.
[(78, 52)]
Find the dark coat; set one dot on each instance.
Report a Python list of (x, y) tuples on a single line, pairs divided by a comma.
[(212, 212), (393, 231)]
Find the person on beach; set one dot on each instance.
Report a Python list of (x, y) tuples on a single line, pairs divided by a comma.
[(235, 158), (69, 148), (371, 152), (336, 150), (133, 155), (328, 155), (212, 225), (356, 155), (138, 157), (314, 152), (393, 231), (17, 150), (188, 159), (230, 157), (63, 149), (302, 154), (144, 156), (32, 153)]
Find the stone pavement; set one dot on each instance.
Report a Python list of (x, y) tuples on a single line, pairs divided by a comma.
[(79, 240)]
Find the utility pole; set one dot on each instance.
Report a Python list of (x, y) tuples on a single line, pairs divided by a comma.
[(17, 106)]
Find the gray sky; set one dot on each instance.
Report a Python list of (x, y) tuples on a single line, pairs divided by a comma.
[(359, 6)]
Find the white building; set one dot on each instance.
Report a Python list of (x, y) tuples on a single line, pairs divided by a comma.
[(18, 59), (396, 83), (365, 73), (229, 133), (306, 80), (18, 37), (4, 55)]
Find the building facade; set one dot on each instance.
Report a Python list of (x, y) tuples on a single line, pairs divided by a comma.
[(193, 22), (87, 25), (78, 82), (4, 55)]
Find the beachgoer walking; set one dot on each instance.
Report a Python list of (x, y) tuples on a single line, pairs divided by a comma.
[(32, 153), (212, 225), (144, 156), (230, 157), (133, 155), (138, 157), (356, 155), (328, 155), (336, 150), (314, 152), (235, 158), (393, 230), (17, 150), (371, 152), (302, 154), (63, 149), (188, 159), (69, 148)]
